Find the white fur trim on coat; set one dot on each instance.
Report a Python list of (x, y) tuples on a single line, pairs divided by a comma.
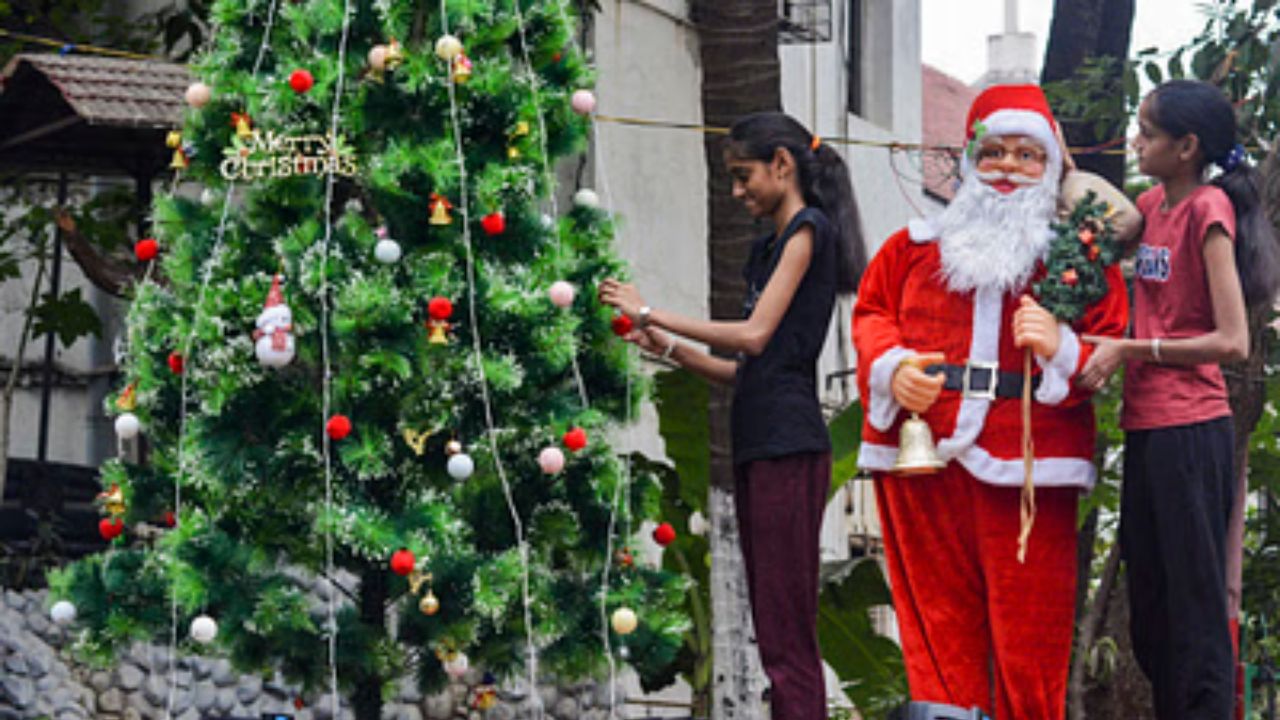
[(921, 230), (1048, 472), (1055, 378), (884, 406), (984, 346)]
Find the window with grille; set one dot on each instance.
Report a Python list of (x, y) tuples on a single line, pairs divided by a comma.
[(804, 21)]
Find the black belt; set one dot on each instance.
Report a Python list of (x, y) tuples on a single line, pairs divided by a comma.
[(974, 380)]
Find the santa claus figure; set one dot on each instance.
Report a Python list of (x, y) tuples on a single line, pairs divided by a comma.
[(273, 338), (943, 318)]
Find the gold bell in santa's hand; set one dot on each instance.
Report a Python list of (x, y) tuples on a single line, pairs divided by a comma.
[(917, 454), (179, 161)]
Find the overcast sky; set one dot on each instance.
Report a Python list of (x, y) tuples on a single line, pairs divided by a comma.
[(955, 31)]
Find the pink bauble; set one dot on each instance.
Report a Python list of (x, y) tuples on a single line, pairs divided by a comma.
[(561, 293), (378, 57), (198, 94), (583, 102), (551, 460)]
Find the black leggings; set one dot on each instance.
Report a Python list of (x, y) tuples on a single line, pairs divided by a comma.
[(1175, 506)]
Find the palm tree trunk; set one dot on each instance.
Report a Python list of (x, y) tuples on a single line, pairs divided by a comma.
[(739, 49)]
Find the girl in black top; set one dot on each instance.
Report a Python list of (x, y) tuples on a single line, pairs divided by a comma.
[(781, 450)]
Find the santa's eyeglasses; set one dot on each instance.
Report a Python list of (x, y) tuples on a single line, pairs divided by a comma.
[(1019, 153)]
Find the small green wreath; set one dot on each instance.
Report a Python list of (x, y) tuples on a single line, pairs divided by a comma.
[(1083, 247)]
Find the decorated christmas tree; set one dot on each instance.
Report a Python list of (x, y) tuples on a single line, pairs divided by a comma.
[(370, 352)]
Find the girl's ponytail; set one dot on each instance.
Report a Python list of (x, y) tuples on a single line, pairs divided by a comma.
[(829, 188), (824, 180), (1190, 107), (1257, 253)]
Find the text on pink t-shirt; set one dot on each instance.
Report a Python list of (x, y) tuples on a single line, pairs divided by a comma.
[(1171, 300)]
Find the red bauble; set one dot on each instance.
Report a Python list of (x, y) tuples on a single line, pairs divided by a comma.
[(402, 561), (575, 439), (170, 519), (664, 534), (494, 223), (622, 325), (146, 249), (1070, 277), (176, 363), (440, 308), (110, 528), (298, 704), (338, 427), (301, 81)]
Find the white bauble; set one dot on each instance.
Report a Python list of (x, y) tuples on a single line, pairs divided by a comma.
[(561, 293), (587, 198), (378, 57), (624, 621), (204, 629), (457, 666), (387, 251), (551, 460), (448, 47), (63, 613), (461, 466), (128, 426)]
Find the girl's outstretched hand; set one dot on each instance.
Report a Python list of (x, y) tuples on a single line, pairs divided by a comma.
[(621, 295), (654, 342), (1105, 359)]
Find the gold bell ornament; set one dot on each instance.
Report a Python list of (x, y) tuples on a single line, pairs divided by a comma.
[(461, 68), (242, 124), (440, 207), (521, 130), (112, 501), (174, 140)]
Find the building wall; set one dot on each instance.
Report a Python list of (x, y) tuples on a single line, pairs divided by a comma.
[(79, 431)]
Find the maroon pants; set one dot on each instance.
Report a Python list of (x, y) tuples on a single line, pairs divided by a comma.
[(780, 502)]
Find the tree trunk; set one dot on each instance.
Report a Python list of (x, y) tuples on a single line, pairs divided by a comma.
[(740, 74), (1083, 29), (366, 698)]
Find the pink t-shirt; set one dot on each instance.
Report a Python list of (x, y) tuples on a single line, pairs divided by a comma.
[(1171, 300)]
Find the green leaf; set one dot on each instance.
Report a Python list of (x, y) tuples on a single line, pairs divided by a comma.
[(869, 664), (1153, 73), (68, 316), (845, 430)]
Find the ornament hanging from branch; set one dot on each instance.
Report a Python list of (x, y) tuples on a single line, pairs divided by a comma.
[(174, 141), (440, 206), (439, 310), (243, 124), (273, 336)]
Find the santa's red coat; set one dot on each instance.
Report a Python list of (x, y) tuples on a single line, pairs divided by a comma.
[(904, 307)]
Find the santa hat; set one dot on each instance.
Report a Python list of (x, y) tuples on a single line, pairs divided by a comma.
[(274, 296), (1012, 110)]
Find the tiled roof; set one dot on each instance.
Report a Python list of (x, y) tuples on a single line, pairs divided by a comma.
[(946, 103), (113, 91)]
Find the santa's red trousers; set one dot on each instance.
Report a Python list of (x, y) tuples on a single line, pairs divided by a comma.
[(978, 628)]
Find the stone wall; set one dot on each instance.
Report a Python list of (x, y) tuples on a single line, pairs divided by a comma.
[(39, 679)]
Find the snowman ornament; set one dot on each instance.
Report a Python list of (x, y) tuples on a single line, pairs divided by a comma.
[(273, 337)]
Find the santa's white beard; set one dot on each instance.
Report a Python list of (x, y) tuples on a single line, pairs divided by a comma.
[(991, 239)]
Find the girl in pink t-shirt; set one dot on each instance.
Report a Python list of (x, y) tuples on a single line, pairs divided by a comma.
[(1206, 249)]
